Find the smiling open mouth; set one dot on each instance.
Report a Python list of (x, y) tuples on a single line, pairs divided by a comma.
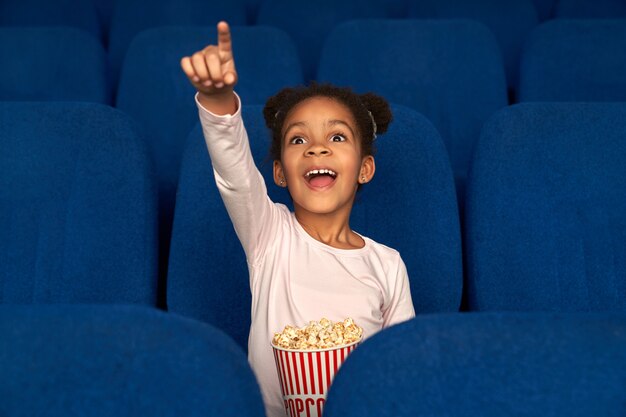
[(320, 178)]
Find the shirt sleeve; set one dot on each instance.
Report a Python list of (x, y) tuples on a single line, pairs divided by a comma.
[(240, 184), (399, 305)]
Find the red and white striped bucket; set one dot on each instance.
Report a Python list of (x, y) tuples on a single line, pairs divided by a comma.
[(305, 377)]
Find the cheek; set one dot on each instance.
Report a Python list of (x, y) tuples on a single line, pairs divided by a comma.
[(353, 162), (287, 165)]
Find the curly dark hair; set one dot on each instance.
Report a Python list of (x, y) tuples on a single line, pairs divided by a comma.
[(278, 107)]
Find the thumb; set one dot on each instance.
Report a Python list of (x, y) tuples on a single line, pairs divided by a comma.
[(230, 78)]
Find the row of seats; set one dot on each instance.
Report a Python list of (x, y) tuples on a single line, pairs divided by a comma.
[(103, 361), (544, 226), (97, 16), (452, 74), (307, 22)]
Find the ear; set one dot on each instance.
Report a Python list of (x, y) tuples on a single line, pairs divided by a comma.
[(368, 168), (279, 175)]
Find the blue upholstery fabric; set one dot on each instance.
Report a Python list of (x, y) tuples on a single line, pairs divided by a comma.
[(130, 17), (546, 209), (77, 206), (450, 71), (79, 14), (104, 361), (575, 60), (60, 63), (410, 205), (310, 22), (155, 91), (488, 365), (510, 21), (585, 9)]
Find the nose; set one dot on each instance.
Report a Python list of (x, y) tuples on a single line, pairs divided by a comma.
[(317, 149)]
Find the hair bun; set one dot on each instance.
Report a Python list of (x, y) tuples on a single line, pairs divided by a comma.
[(381, 112)]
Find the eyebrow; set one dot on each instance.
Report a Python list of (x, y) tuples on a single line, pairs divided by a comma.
[(330, 123), (336, 122), (292, 125)]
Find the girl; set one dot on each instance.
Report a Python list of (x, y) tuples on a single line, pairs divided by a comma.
[(307, 264)]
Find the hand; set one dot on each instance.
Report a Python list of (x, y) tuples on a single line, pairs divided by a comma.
[(212, 70)]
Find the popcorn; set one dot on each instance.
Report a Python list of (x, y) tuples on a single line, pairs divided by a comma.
[(318, 335)]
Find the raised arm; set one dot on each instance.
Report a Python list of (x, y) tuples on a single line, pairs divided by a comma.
[(212, 72)]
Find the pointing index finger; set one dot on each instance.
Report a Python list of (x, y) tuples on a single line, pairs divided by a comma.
[(223, 37)]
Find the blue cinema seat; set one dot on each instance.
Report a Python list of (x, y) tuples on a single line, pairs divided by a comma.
[(78, 14), (310, 22), (77, 206), (449, 70), (52, 64), (122, 361), (130, 17), (510, 21), (585, 9), (155, 91), (546, 209), (575, 60), (410, 205), (488, 365)]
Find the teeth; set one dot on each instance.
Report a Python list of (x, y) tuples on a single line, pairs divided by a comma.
[(321, 171)]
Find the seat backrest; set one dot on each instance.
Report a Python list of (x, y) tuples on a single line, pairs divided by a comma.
[(450, 71), (510, 21), (584, 9), (410, 205), (52, 64), (487, 365), (130, 17), (78, 14), (546, 212), (105, 361), (575, 60), (77, 206), (156, 93), (310, 22)]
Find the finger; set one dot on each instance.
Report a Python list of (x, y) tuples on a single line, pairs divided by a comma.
[(224, 42), (215, 68), (185, 64), (199, 66)]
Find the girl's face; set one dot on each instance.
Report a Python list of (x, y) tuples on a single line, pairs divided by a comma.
[(321, 157)]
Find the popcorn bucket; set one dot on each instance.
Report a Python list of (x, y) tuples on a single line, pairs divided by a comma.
[(305, 376)]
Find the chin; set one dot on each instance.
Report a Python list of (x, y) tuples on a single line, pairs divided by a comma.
[(317, 207), (320, 208), (323, 207)]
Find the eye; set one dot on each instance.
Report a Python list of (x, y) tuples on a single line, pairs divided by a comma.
[(297, 140), (337, 138)]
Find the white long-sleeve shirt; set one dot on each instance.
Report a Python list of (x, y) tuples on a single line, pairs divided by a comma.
[(295, 278)]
